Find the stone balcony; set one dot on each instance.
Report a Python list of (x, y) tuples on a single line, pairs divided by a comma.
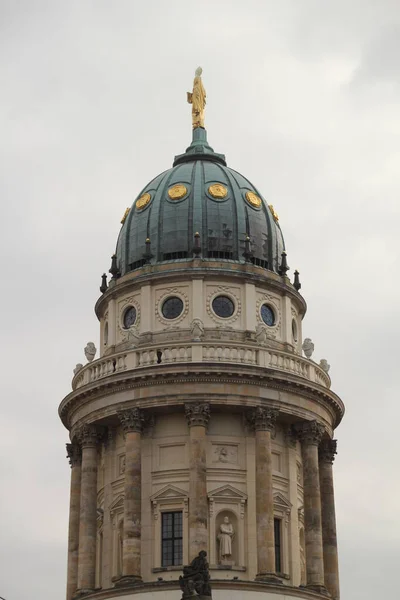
[(184, 353)]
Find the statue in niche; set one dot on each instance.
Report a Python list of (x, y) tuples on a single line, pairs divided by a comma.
[(225, 539)]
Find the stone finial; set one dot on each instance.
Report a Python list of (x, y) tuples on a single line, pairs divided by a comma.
[(325, 366), (78, 367), (147, 255), (90, 351), (88, 436), (296, 282), (197, 330), (310, 432), (308, 347), (197, 413), (327, 451), (74, 453), (248, 255), (114, 267), (264, 418), (196, 578), (284, 267), (196, 244), (103, 287), (131, 419)]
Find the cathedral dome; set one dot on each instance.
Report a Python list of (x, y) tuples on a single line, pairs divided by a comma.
[(200, 207)]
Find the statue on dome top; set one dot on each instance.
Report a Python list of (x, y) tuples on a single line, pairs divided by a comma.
[(197, 98)]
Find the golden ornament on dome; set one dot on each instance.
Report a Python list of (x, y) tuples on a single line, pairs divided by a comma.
[(178, 191), (253, 199), (217, 190), (143, 201)]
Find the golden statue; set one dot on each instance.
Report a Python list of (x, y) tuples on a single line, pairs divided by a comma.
[(197, 99)]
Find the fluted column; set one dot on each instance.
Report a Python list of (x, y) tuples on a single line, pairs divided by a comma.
[(88, 437), (132, 423), (310, 434), (264, 421), (197, 415), (74, 455), (327, 451)]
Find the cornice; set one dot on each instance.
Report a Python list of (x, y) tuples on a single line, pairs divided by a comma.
[(160, 587), (165, 375)]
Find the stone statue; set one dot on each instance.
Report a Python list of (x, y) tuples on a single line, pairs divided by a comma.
[(225, 538), (90, 351), (325, 366), (308, 347), (197, 329), (196, 578), (261, 334), (197, 99), (78, 367)]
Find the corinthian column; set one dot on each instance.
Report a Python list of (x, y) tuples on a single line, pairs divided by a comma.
[(327, 453), (264, 421), (310, 434), (197, 415), (75, 458), (88, 437), (132, 423)]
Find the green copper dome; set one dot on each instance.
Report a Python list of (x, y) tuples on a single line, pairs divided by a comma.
[(199, 207)]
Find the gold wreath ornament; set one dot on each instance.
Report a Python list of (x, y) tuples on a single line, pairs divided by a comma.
[(253, 199), (273, 212), (143, 201), (217, 190), (178, 191)]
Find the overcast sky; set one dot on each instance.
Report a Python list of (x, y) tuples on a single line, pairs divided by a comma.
[(303, 98)]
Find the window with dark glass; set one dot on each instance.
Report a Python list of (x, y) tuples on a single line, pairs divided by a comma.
[(223, 307), (172, 307), (129, 317), (278, 546), (267, 315), (171, 539)]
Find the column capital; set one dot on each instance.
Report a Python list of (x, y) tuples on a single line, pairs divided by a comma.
[(263, 418), (74, 453), (327, 451), (131, 419), (310, 432), (88, 436), (197, 413)]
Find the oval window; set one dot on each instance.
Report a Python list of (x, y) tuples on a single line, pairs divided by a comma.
[(294, 330), (223, 307), (172, 308), (129, 317), (268, 315)]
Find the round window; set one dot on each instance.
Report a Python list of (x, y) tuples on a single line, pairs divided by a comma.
[(223, 307), (267, 315), (172, 307), (129, 317), (294, 330)]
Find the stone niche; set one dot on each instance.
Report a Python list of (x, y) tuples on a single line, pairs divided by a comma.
[(227, 506)]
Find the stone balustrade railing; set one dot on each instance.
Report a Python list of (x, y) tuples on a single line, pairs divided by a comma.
[(198, 352)]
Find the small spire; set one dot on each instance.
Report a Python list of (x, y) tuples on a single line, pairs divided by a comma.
[(197, 244), (248, 255), (114, 267), (197, 98), (296, 282), (103, 287), (147, 254), (284, 268)]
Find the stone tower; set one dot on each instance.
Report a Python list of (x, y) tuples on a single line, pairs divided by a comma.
[(201, 426)]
